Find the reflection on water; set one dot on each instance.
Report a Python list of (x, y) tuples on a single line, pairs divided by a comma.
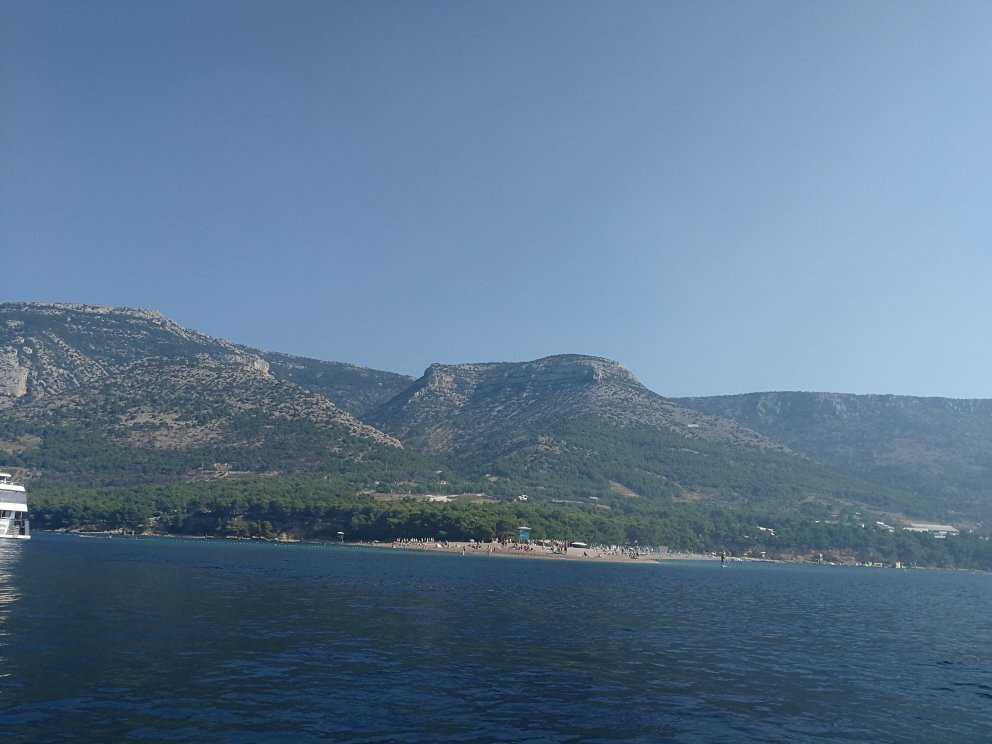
[(10, 561)]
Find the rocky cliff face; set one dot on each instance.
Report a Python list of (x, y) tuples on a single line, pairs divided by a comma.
[(13, 374), (452, 407)]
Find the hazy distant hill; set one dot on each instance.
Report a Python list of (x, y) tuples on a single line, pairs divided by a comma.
[(938, 448), (116, 395), (356, 390)]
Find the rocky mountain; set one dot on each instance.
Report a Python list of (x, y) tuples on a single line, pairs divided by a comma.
[(452, 407), (117, 393), (102, 396), (937, 448), (568, 426)]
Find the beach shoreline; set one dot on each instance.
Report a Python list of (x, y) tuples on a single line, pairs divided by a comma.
[(490, 549), (614, 554), (517, 550)]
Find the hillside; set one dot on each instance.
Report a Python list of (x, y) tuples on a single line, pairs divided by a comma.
[(104, 395), (573, 426), (452, 407), (937, 448)]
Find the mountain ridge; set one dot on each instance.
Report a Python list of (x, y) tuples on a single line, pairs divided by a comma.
[(563, 424), (452, 404)]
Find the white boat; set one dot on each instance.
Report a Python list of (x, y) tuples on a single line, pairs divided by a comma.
[(13, 510)]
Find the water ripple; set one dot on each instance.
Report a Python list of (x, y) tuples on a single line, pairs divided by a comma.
[(107, 640)]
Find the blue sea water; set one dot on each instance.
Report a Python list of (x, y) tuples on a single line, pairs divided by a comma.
[(110, 639)]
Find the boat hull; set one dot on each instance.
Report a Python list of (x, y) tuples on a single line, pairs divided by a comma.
[(14, 527), (14, 523)]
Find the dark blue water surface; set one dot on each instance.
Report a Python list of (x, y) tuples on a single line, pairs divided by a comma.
[(109, 639)]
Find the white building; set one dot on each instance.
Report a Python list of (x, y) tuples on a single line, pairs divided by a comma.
[(937, 530)]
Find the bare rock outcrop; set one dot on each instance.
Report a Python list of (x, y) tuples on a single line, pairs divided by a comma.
[(13, 374)]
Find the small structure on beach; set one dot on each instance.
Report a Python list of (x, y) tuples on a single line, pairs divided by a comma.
[(523, 534)]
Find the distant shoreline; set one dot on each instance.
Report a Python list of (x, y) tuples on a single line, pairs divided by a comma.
[(511, 550), (493, 549), (514, 550)]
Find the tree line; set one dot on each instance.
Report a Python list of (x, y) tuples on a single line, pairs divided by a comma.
[(321, 508)]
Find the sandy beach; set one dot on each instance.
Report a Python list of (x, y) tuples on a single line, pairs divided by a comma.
[(514, 550), (491, 549)]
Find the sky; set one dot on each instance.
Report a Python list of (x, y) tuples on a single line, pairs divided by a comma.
[(726, 197)]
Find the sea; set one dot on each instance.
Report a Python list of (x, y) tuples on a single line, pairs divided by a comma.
[(109, 639)]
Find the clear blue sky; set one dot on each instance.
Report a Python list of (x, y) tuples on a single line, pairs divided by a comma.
[(725, 196)]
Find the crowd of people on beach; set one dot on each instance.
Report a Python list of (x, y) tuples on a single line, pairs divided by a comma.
[(513, 547), (543, 549), (473, 545)]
